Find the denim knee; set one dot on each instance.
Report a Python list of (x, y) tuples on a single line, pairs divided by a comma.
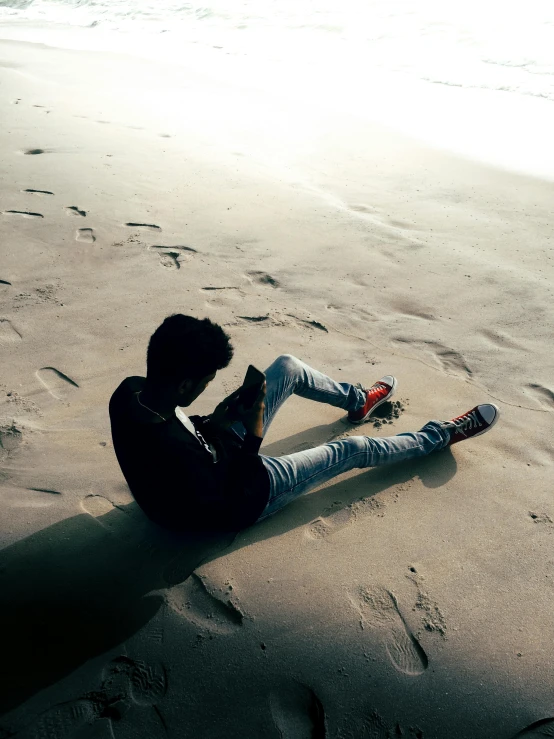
[(357, 443), (288, 365), (351, 446)]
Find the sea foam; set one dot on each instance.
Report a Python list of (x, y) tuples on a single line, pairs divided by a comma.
[(490, 63)]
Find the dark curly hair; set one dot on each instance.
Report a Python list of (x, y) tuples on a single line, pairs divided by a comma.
[(187, 348)]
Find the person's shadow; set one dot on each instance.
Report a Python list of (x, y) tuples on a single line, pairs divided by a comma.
[(83, 586), (79, 588)]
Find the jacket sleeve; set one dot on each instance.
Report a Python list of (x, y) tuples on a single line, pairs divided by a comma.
[(250, 444)]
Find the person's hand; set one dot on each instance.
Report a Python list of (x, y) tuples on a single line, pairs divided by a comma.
[(226, 413), (253, 418)]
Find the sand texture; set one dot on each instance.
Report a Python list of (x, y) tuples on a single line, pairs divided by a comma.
[(410, 601)]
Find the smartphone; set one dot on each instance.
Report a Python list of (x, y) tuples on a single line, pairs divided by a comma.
[(251, 386)]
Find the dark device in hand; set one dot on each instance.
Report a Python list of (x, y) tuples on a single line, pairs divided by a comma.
[(253, 383)]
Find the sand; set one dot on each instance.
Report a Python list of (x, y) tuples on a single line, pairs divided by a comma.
[(409, 601)]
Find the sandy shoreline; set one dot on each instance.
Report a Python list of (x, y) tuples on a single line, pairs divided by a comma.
[(351, 247)]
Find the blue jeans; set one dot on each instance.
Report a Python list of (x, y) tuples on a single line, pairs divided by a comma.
[(294, 474)]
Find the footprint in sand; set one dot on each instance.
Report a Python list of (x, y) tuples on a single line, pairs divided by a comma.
[(24, 213), (86, 235), (118, 523), (297, 712), (339, 518), (57, 383), (10, 438), (448, 359), (263, 278), (542, 728), (124, 682), (8, 333), (254, 319), (281, 319), (432, 618), (64, 720), (170, 260), (150, 226), (73, 210), (194, 600), (544, 395), (145, 683), (540, 517), (226, 287), (324, 526), (274, 318), (177, 247), (379, 610), (172, 257), (154, 632), (223, 296), (97, 505), (310, 324), (227, 296)]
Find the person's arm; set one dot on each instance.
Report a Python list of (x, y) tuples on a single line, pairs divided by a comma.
[(253, 419), (227, 413)]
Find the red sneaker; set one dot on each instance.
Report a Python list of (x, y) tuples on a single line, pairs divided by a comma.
[(473, 423), (375, 396)]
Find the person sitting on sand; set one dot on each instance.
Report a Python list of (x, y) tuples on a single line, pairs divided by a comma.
[(205, 473)]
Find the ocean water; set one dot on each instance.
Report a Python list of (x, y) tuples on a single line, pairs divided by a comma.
[(475, 77)]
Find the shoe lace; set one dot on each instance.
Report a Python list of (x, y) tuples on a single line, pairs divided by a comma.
[(376, 389), (464, 423)]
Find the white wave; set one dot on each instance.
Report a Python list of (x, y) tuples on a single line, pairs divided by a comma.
[(336, 53), (488, 44)]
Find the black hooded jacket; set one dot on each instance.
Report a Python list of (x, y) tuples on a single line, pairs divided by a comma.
[(174, 478)]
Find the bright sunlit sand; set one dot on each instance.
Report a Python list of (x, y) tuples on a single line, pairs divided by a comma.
[(344, 225)]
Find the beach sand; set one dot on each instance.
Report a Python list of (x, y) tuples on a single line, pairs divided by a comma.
[(407, 601)]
